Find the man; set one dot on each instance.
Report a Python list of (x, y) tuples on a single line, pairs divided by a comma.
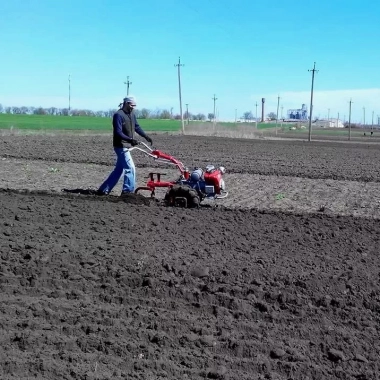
[(124, 125)]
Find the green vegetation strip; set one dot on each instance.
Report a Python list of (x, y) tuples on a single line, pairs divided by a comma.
[(104, 124), (98, 124), (51, 123)]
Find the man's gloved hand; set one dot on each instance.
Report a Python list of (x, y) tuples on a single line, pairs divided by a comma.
[(134, 142), (149, 139)]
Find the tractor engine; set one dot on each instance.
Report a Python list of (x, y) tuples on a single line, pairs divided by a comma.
[(208, 182)]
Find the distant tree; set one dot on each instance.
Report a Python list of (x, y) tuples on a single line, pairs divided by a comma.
[(1, 108), (247, 116), (144, 113), (272, 116), (109, 113), (210, 116), (187, 115), (155, 114), (8, 110), (165, 114), (39, 111), (65, 111), (24, 110), (199, 116), (52, 111), (82, 112)]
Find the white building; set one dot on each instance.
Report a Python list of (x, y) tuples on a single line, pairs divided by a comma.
[(330, 123)]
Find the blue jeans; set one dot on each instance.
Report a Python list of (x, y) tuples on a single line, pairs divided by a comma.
[(124, 165)]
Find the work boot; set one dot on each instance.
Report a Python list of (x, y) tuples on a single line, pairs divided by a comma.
[(125, 192), (100, 193)]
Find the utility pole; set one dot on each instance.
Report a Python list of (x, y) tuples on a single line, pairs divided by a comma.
[(311, 98), (180, 94), (256, 115), (187, 113), (349, 121), (278, 105), (214, 99), (337, 121), (373, 114), (364, 117), (128, 83), (282, 115), (69, 92)]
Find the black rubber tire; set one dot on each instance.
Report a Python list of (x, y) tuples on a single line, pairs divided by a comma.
[(183, 191)]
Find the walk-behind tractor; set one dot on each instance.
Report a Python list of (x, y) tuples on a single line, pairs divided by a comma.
[(191, 188)]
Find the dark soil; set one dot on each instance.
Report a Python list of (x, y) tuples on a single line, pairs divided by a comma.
[(113, 287), (334, 160), (97, 289)]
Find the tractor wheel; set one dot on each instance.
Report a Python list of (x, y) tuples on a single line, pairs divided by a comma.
[(178, 193)]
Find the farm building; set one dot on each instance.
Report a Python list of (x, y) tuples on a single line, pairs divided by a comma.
[(298, 114), (330, 123)]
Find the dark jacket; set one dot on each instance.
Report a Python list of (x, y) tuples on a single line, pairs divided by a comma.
[(124, 126)]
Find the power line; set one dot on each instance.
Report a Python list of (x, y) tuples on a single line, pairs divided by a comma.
[(215, 99), (180, 94), (364, 117), (187, 113), (256, 115), (128, 83), (69, 92), (278, 105), (349, 120), (313, 70)]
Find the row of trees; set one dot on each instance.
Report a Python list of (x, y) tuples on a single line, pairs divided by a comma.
[(144, 113), (248, 116)]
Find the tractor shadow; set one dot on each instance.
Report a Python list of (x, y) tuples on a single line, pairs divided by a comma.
[(130, 198)]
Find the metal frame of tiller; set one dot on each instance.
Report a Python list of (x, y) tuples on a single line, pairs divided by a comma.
[(160, 157)]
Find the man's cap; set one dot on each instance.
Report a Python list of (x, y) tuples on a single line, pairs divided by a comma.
[(130, 99)]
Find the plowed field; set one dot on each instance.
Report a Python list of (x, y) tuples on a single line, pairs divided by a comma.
[(281, 280)]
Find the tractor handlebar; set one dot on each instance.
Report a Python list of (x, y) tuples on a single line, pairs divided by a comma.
[(158, 155)]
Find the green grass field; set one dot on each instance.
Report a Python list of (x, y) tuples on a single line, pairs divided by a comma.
[(97, 124), (77, 123), (47, 123)]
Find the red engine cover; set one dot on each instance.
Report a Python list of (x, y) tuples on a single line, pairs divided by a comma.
[(213, 179)]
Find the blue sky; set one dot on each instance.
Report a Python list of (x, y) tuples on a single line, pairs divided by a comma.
[(240, 51)]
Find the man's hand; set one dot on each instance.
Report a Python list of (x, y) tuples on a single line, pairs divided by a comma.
[(149, 139), (134, 142)]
